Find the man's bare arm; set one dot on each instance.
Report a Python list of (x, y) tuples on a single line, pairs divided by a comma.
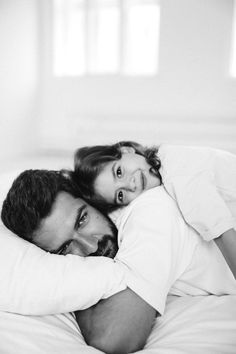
[(227, 244), (118, 325)]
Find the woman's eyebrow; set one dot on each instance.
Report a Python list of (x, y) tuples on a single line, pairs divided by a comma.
[(79, 213), (113, 170)]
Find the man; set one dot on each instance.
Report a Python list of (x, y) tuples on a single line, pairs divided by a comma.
[(160, 253), (44, 207)]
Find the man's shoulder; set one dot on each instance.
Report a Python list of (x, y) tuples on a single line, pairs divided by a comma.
[(155, 201), (154, 197)]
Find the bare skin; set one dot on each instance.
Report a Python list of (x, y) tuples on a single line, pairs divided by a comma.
[(119, 324), (227, 245)]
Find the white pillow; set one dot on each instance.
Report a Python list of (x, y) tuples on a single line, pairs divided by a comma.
[(54, 334), (36, 282)]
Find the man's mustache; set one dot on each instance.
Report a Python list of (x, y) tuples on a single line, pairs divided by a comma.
[(107, 247)]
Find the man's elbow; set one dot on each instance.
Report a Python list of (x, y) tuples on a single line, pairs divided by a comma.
[(109, 344)]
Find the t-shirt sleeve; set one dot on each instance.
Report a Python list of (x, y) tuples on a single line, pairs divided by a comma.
[(201, 204), (34, 282), (148, 253)]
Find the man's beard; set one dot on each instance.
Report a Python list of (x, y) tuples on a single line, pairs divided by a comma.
[(108, 245)]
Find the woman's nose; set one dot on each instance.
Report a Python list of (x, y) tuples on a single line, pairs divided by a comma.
[(128, 184), (131, 184)]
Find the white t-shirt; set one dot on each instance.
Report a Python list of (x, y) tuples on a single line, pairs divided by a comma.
[(162, 254), (203, 182)]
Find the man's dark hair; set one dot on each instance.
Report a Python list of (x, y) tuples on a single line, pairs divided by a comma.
[(31, 197)]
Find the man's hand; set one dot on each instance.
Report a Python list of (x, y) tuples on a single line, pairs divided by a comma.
[(227, 244), (119, 324)]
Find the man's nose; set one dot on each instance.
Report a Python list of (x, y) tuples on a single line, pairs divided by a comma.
[(87, 243)]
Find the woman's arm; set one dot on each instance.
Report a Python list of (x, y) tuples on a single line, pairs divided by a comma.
[(227, 245), (118, 325)]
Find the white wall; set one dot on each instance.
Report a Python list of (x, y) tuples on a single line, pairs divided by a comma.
[(191, 100), (18, 78)]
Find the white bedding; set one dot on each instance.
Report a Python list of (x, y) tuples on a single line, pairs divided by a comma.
[(190, 325), (193, 325)]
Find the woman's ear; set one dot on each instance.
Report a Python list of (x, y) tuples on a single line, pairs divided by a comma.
[(127, 149)]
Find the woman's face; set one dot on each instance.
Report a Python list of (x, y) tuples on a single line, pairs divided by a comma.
[(123, 180)]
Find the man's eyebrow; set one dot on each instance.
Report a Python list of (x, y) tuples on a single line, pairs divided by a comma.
[(79, 212)]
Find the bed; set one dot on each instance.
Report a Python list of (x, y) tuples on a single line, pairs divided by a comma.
[(190, 325), (200, 324)]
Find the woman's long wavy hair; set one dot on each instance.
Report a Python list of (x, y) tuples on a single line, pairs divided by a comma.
[(89, 161)]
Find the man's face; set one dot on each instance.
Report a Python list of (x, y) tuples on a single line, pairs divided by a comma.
[(75, 227)]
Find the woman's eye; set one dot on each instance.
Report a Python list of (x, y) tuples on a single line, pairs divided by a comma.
[(118, 172), (120, 197)]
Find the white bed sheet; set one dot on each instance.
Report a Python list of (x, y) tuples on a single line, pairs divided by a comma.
[(193, 325), (190, 325)]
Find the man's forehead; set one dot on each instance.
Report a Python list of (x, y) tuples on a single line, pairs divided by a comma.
[(65, 209), (68, 199)]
